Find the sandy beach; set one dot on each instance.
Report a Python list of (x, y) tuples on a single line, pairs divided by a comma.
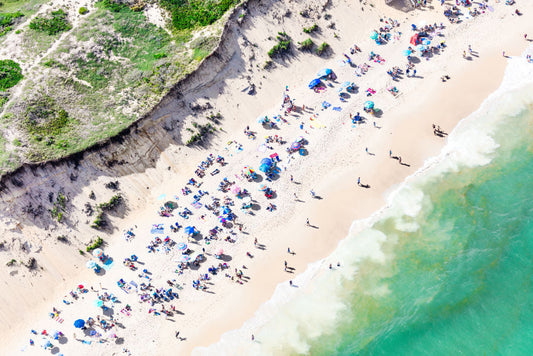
[(338, 153)]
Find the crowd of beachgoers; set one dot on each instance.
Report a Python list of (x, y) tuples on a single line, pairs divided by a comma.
[(198, 226)]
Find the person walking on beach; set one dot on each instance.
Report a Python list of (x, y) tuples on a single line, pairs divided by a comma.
[(177, 334), (390, 153), (253, 337), (292, 179), (307, 222), (359, 181)]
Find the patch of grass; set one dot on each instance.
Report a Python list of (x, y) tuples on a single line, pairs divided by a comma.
[(8, 20), (10, 74), (59, 207), (99, 221), (83, 10), (202, 46), (311, 29), (306, 45), (93, 245), (322, 48), (187, 14), (282, 47), (17, 143), (56, 23), (112, 203)]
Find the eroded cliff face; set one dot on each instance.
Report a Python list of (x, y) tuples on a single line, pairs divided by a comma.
[(28, 194)]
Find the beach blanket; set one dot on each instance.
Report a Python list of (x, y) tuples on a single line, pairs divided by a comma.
[(59, 319), (337, 108), (326, 105), (197, 205), (157, 229)]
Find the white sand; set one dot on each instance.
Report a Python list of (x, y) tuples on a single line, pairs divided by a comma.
[(336, 158)]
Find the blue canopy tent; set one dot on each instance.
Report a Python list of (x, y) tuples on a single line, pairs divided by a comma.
[(374, 35), (190, 230), (324, 73), (314, 83)]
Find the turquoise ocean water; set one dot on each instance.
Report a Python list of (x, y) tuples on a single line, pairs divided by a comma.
[(445, 269)]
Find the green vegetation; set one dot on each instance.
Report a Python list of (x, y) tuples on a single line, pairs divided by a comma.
[(93, 245), (11, 262), (59, 207), (283, 46), (306, 45), (201, 134), (52, 25), (7, 20), (311, 29), (10, 74), (202, 47), (112, 203), (322, 48), (188, 14), (83, 10), (99, 221)]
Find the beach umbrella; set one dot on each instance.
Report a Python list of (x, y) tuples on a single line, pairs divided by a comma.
[(247, 171), (190, 230), (314, 83), (46, 343), (263, 187), (184, 258), (226, 210), (421, 48), (266, 161), (182, 246), (98, 253), (79, 323), (261, 119), (324, 72), (220, 252), (369, 105), (407, 52), (98, 303), (296, 145), (90, 264), (264, 168), (374, 35), (235, 190), (414, 40)]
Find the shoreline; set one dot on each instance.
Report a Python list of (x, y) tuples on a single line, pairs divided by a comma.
[(341, 191), (334, 187)]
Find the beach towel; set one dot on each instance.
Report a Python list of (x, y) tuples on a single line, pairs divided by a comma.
[(86, 342), (157, 229), (337, 108), (197, 205), (59, 320)]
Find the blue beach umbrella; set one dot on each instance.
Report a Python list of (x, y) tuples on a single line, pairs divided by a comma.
[(261, 119), (79, 323), (407, 52), (190, 230), (374, 35), (264, 168), (314, 83), (369, 105), (324, 72)]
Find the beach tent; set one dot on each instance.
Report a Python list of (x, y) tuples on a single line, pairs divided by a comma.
[(264, 168), (314, 83), (374, 35), (266, 165), (369, 105), (414, 39), (324, 72), (80, 323)]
